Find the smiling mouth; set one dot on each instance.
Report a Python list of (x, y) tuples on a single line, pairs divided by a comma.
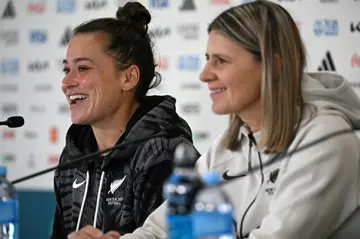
[(217, 90), (75, 99)]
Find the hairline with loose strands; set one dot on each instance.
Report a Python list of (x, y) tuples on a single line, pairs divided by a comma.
[(268, 32)]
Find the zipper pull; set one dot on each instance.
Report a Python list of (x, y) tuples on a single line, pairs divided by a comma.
[(250, 155)]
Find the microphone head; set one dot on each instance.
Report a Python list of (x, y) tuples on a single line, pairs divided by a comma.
[(185, 156), (15, 121)]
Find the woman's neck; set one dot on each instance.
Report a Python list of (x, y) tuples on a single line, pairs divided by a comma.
[(108, 132), (253, 117)]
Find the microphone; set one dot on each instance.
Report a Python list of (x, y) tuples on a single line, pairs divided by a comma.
[(277, 157), (13, 122)]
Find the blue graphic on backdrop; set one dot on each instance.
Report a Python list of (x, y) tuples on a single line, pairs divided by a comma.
[(9, 66), (65, 6), (189, 63), (326, 27), (159, 3), (38, 36)]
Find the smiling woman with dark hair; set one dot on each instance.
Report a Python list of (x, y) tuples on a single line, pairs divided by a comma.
[(109, 68)]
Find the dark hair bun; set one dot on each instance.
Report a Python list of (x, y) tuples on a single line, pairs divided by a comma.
[(134, 13)]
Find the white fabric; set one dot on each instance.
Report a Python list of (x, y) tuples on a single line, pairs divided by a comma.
[(315, 190)]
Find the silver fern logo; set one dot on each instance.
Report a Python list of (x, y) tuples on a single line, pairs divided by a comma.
[(116, 184)]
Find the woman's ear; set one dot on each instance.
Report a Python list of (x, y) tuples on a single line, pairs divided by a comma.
[(131, 79)]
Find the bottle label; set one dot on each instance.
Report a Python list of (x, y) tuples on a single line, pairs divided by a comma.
[(9, 211), (180, 227), (213, 224)]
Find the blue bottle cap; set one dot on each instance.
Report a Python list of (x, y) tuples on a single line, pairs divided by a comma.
[(212, 178), (2, 170)]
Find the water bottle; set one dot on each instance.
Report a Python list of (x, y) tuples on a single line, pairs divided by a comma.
[(9, 208), (180, 190), (213, 211)]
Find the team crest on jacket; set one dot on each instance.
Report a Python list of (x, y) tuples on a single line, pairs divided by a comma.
[(112, 199), (271, 180)]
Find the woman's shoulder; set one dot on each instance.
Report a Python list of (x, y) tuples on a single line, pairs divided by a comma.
[(159, 149), (329, 126)]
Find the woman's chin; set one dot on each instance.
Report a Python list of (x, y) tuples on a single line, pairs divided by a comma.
[(78, 120), (219, 110)]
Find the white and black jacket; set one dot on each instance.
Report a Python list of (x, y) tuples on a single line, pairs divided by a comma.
[(118, 191), (307, 194)]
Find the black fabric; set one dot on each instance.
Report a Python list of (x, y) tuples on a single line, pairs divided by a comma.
[(143, 167)]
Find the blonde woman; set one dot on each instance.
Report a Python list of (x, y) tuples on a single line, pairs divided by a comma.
[(255, 73)]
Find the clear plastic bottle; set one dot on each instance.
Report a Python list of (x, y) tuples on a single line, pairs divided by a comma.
[(180, 190), (213, 211), (9, 208)]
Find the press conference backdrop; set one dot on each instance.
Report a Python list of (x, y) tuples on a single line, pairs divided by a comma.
[(33, 39)]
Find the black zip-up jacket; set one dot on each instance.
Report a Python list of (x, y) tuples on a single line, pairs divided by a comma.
[(125, 186)]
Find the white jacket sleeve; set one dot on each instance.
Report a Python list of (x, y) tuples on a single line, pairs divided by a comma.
[(314, 188), (154, 227)]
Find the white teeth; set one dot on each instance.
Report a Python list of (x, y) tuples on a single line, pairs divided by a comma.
[(76, 97), (218, 90)]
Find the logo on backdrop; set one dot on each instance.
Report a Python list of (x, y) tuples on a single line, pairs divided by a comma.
[(190, 86), (159, 3), (162, 63), (355, 60), (38, 66), (189, 31), (38, 36), (9, 88), (29, 134), (327, 63), (355, 27), (36, 6), (329, 1), (9, 11), (95, 5), (9, 108), (9, 67), (53, 159), (42, 87), (54, 135), (31, 162), (200, 135), (66, 6), (7, 158), (326, 27), (355, 84), (160, 32), (9, 37), (191, 108), (66, 37), (122, 2), (64, 108), (8, 134), (189, 62), (219, 2), (187, 5), (37, 109)]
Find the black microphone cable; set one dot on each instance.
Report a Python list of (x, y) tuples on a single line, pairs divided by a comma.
[(282, 155), (277, 157), (73, 163)]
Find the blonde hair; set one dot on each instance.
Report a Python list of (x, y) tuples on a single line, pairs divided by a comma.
[(269, 33)]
